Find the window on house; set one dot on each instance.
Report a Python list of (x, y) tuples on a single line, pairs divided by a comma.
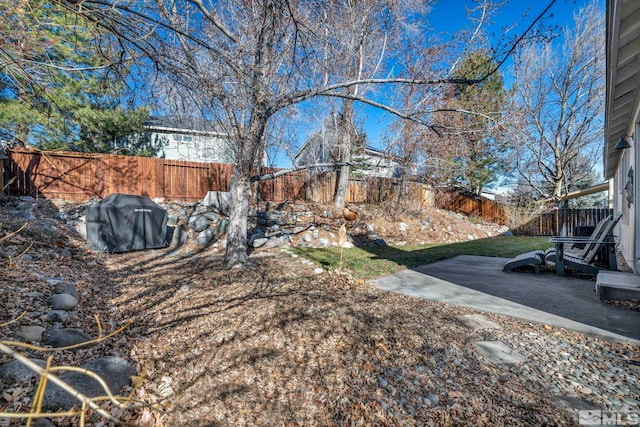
[(181, 138)]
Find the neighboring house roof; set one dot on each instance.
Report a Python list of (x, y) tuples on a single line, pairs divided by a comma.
[(321, 140), (330, 132), (182, 125), (623, 75), (374, 152)]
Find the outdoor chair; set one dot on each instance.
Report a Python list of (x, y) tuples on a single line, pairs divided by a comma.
[(586, 260), (533, 258), (550, 254), (581, 260)]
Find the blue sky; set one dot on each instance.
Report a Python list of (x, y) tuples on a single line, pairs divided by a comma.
[(450, 16)]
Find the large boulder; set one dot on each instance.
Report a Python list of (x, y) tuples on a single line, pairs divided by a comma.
[(219, 200), (64, 337), (63, 302), (29, 333), (257, 240), (14, 371), (66, 288), (198, 223), (115, 371), (205, 237)]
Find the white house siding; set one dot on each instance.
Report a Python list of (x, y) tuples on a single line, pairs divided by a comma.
[(196, 148), (626, 227)]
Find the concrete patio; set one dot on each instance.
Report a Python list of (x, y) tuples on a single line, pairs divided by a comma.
[(479, 282)]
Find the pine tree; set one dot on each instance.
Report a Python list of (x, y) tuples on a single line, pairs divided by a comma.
[(57, 90)]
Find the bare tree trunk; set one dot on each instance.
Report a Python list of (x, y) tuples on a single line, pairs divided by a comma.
[(342, 186), (236, 254)]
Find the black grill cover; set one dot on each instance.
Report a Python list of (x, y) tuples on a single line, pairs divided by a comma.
[(123, 222)]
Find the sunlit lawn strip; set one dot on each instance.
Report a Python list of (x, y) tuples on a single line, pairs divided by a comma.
[(374, 261)]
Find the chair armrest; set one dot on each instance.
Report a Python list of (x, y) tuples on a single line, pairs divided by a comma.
[(572, 239)]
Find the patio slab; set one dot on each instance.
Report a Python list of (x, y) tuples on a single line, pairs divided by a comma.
[(479, 282)]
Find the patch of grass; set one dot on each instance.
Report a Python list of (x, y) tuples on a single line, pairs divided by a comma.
[(374, 261)]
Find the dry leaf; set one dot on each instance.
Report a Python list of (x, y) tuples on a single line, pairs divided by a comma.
[(455, 395), (146, 419)]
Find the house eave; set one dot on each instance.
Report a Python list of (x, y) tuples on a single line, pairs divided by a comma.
[(623, 78), (184, 131)]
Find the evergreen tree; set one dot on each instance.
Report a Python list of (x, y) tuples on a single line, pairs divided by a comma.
[(480, 139), (57, 90)]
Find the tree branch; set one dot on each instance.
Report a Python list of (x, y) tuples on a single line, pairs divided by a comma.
[(298, 168)]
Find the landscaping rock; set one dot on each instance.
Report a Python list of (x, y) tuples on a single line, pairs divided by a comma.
[(205, 237), (323, 242), (35, 294), (257, 240), (115, 372), (307, 237), (42, 422), (222, 227), (212, 216), (63, 302), (14, 371), (29, 333), (66, 288), (219, 200), (57, 338), (59, 315), (274, 242), (64, 253), (178, 236), (432, 398), (403, 228), (198, 223), (172, 220), (380, 242)]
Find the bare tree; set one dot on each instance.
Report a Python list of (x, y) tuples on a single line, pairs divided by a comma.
[(560, 94), (362, 39), (240, 63)]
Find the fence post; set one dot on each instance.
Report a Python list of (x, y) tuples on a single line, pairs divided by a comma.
[(159, 179)]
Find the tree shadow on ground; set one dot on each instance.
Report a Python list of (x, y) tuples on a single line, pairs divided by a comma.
[(272, 344)]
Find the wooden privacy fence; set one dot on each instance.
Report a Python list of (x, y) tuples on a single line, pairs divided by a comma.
[(551, 223), (81, 176), (468, 204), (375, 190)]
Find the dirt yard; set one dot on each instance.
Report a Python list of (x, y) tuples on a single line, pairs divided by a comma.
[(275, 344)]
